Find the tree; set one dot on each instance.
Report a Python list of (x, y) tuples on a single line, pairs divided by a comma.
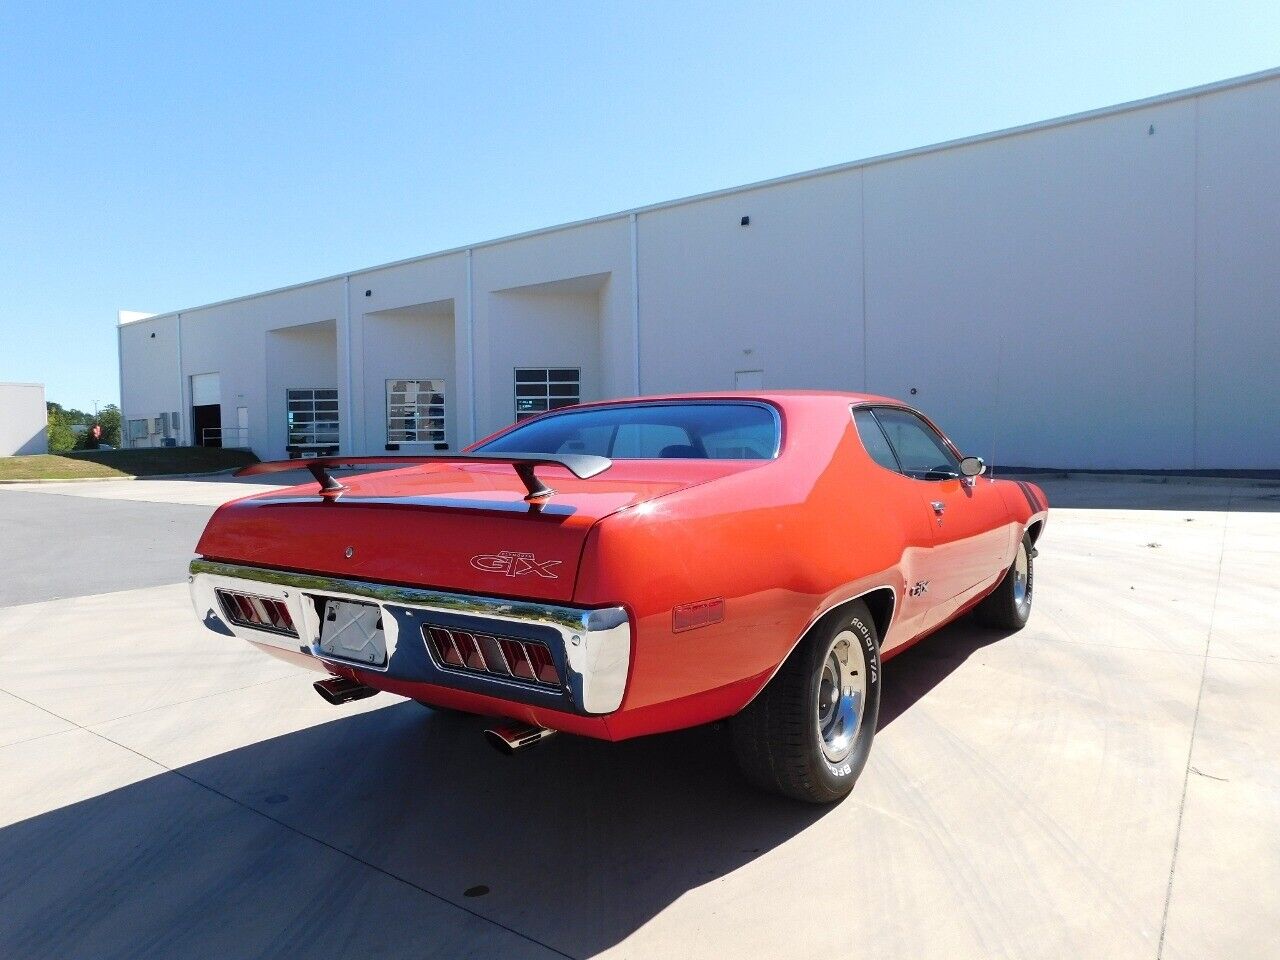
[(61, 437), (109, 418)]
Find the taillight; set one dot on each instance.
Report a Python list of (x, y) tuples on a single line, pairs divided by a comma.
[(544, 667), (527, 660), (260, 613)]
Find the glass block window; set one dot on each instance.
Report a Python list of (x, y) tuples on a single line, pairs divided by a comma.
[(313, 417), (539, 389), (415, 411)]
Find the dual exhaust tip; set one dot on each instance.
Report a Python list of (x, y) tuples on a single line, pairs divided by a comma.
[(506, 738), (340, 690)]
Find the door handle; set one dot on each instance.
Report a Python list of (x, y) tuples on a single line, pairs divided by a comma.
[(938, 507)]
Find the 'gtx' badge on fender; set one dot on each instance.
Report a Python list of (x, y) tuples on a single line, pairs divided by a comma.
[(514, 564)]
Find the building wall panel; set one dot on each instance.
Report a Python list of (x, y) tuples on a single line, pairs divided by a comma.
[(151, 382), (782, 294), (1036, 291), (1237, 376), (23, 420)]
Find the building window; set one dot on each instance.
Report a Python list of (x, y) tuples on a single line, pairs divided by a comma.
[(313, 418), (415, 411), (539, 389)]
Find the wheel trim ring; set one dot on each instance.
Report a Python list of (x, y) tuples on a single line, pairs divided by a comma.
[(840, 706), (1022, 579)]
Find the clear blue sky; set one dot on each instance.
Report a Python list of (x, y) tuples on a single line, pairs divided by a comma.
[(159, 156)]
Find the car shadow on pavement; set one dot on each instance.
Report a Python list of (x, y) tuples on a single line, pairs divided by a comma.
[(343, 839), (360, 836)]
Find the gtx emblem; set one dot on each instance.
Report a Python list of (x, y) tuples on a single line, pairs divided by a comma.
[(512, 563)]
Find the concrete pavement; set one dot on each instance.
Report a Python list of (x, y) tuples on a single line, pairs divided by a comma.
[(1103, 783)]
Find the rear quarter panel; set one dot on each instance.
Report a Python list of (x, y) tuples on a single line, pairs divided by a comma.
[(778, 544)]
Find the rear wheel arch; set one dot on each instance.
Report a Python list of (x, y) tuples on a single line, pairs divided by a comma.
[(881, 602), (1034, 529)]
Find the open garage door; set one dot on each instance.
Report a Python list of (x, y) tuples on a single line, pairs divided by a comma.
[(206, 410)]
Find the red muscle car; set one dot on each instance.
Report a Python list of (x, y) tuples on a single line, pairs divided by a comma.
[(637, 566)]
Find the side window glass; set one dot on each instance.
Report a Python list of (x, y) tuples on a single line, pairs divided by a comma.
[(920, 450), (873, 440)]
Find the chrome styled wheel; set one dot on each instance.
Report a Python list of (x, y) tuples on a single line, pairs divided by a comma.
[(1022, 580), (842, 694)]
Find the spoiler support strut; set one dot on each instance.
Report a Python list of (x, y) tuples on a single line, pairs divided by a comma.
[(582, 466)]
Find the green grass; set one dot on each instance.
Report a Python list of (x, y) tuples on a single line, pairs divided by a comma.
[(122, 463)]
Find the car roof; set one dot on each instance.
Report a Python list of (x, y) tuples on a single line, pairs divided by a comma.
[(780, 397)]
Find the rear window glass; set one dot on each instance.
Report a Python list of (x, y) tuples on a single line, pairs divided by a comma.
[(653, 431), (873, 439)]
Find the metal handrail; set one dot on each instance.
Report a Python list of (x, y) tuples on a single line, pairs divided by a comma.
[(235, 438)]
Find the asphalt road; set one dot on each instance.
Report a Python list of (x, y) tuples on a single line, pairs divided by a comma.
[(1101, 784), (53, 547)]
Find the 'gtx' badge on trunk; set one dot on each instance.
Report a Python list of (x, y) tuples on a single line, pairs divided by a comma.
[(514, 564)]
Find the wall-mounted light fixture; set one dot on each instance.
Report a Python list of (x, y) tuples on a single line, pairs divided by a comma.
[(368, 293), (745, 222)]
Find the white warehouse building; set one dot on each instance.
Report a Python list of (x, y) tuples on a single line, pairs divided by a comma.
[(24, 419), (1100, 291)]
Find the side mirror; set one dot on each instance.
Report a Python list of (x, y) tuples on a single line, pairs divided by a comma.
[(972, 467)]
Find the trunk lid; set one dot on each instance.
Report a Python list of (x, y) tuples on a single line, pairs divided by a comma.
[(461, 528)]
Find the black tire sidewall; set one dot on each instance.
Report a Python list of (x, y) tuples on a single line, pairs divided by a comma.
[(1000, 610)]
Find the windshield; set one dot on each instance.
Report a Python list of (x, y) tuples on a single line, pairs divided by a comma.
[(650, 431)]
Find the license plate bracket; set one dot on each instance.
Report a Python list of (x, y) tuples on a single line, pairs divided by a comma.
[(352, 630)]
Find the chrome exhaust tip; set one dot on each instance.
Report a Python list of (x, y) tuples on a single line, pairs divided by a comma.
[(340, 690), (510, 737)]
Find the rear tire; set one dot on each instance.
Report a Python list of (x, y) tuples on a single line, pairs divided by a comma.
[(1009, 605), (808, 734)]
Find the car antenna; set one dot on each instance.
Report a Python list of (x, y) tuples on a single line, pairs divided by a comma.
[(995, 420)]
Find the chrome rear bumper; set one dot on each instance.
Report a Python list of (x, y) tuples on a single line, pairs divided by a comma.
[(591, 647)]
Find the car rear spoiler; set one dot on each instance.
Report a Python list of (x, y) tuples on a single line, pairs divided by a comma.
[(581, 465)]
